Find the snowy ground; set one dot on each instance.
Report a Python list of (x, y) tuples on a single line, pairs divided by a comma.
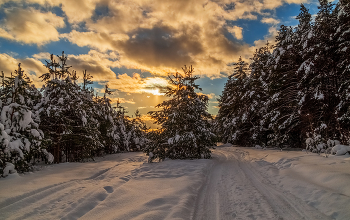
[(238, 183)]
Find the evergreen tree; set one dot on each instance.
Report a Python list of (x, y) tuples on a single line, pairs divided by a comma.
[(319, 80), (22, 143), (257, 96), (228, 120), (137, 133), (67, 115), (282, 114), (342, 38), (184, 122)]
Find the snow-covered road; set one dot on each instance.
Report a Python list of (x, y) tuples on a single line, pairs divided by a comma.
[(235, 189), (237, 183)]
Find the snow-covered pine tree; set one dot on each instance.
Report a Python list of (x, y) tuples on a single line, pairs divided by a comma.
[(243, 103), (342, 38), (282, 112), (228, 121), (137, 132), (257, 96), (123, 128), (185, 131), (104, 115), (64, 110), (112, 124), (22, 143), (318, 79)]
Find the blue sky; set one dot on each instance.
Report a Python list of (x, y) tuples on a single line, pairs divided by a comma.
[(134, 44)]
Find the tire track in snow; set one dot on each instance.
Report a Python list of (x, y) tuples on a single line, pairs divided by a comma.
[(41, 193), (286, 205), (234, 189), (71, 199), (228, 194)]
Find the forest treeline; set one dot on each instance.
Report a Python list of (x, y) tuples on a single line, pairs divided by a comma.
[(62, 121), (295, 93), (65, 121)]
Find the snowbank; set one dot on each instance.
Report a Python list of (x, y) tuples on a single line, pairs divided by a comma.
[(340, 149), (9, 168)]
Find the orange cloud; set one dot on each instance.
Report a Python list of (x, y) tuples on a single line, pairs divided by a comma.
[(32, 67), (190, 32), (30, 26), (121, 100), (99, 65), (158, 36), (270, 21), (236, 32)]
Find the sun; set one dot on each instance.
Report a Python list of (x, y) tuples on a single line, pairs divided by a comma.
[(155, 92), (155, 86)]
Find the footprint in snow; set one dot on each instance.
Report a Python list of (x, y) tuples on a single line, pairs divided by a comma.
[(108, 189)]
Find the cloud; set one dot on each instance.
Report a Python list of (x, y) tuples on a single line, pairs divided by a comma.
[(155, 85), (8, 64), (30, 26), (161, 36), (136, 84), (95, 63), (121, 100), (270, 37), (32, 67), (270, 21), (76, 11), (99, 65), (126, 83), (158, 36), (100, 41), (127, 89), (210, 96), (236, 32)]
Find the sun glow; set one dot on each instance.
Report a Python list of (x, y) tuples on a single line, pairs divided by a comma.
[(155, 86), (155, 92)]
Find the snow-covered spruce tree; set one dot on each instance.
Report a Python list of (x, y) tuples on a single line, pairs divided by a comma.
[(22, 143), (66, 115), (137, 132), (342, 38), (105, 116), (258, 94), (318, 83), (185, 131), (243, 103), (112, 125), (228, 122), (282, 114)]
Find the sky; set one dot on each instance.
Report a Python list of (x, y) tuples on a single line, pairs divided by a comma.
[(133, 45)]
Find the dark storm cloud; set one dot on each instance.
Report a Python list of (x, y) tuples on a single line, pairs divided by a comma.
[(158, 47)]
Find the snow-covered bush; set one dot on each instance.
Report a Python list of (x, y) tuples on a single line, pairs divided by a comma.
[(340, 150), (315, 144)]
